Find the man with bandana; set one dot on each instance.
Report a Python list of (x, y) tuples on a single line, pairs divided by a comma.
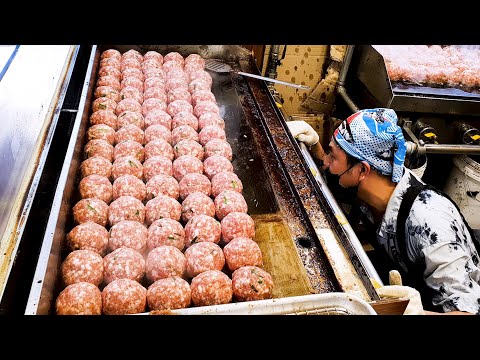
[(437, 255)]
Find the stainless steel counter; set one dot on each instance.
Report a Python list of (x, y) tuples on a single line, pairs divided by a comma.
[(31, 91)]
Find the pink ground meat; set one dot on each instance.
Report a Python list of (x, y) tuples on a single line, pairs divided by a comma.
[(158, 117), (216, 164), (211, 287), (90, 210), (157, 165), (178, 106), (96, 186), (251, 283), (132, 54), (110, 71), (242, 251), (126, 208), (203, 256), (131, 92), (96, 165), (169, 294), (99, 148), (130, 117), (123, 263), (218, 147), (226, 181), (195, 204), (132, 81), (229, 201), (193, 182), (237, 224), (106, 117), (154, 132), (165, 261), (124, 296), (185, 118), (153, 55), (164, 185), (210, 118), (108, 92), (184, 132), (166, 231), (127, 165), (82, 266), (211, 132), (129, 148), (202, 228), (102, 132), (188, 147), (199, 84), (202, 95), (175, 83), (129, 185), (130, 132), (109, 81), (130, 234), (155, 92), (128, 105), (155, 81), (130, 63), (111, 61), (151, 64), (111, 53), (132, 72), (159, 147), (79, 299), (179, 94), (174, 56), (203, 75), (186, 164), (88, 236), (203, 107), (153, 104), (162, 206)]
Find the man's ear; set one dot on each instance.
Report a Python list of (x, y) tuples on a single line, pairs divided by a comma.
[(364, 169)]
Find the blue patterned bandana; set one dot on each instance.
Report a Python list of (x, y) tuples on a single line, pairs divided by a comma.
[(372, 135)]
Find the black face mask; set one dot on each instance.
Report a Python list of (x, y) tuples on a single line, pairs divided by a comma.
[(345, 195)]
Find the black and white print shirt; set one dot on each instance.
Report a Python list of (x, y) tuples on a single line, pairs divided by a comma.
[(437, 238)]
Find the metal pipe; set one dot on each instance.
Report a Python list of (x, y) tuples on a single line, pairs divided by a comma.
[(342, 220), (341, 79), (413, 148)]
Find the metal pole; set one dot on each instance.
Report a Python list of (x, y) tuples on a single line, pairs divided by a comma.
[(413, 148)]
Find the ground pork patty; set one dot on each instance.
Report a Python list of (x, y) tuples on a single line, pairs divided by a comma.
[(211, 287), (185, 118), (129, 185), (101, 131), (129, 148), (202, 228), (130, 132), (91, 209), (157, 165), (229, 201), (242, 251), (98, 147), (184, 132), (169, 294), (164, 185), (210, 118), (157, 131), (130, 117), (251, 283), (165, 261), (96, 186), (79, 299), (237, 224), (104, 116), (124, 296), (159, 147), (126, 208), (226, 180), (130, 234), (218, 146), (162, 206), (179, 94), (188, 147), (131, 92), (211, 132), (193, 182), (82, 266), (127, 165), (158, 117), (197, 203), (88, 236), (111, 53), (202, 95), (123, 263), (203, 256), (166, 231), (216, 164), (96, 165), (109, 80), (186, 164)]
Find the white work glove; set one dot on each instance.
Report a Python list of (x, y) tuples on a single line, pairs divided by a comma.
[(303, 132), (397, 291)]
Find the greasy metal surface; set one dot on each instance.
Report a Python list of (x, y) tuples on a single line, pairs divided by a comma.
[(369, 66), (267, 187), (317, 214), (31, 92)]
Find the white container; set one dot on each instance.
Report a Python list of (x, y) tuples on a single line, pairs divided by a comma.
[(463, 186)]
